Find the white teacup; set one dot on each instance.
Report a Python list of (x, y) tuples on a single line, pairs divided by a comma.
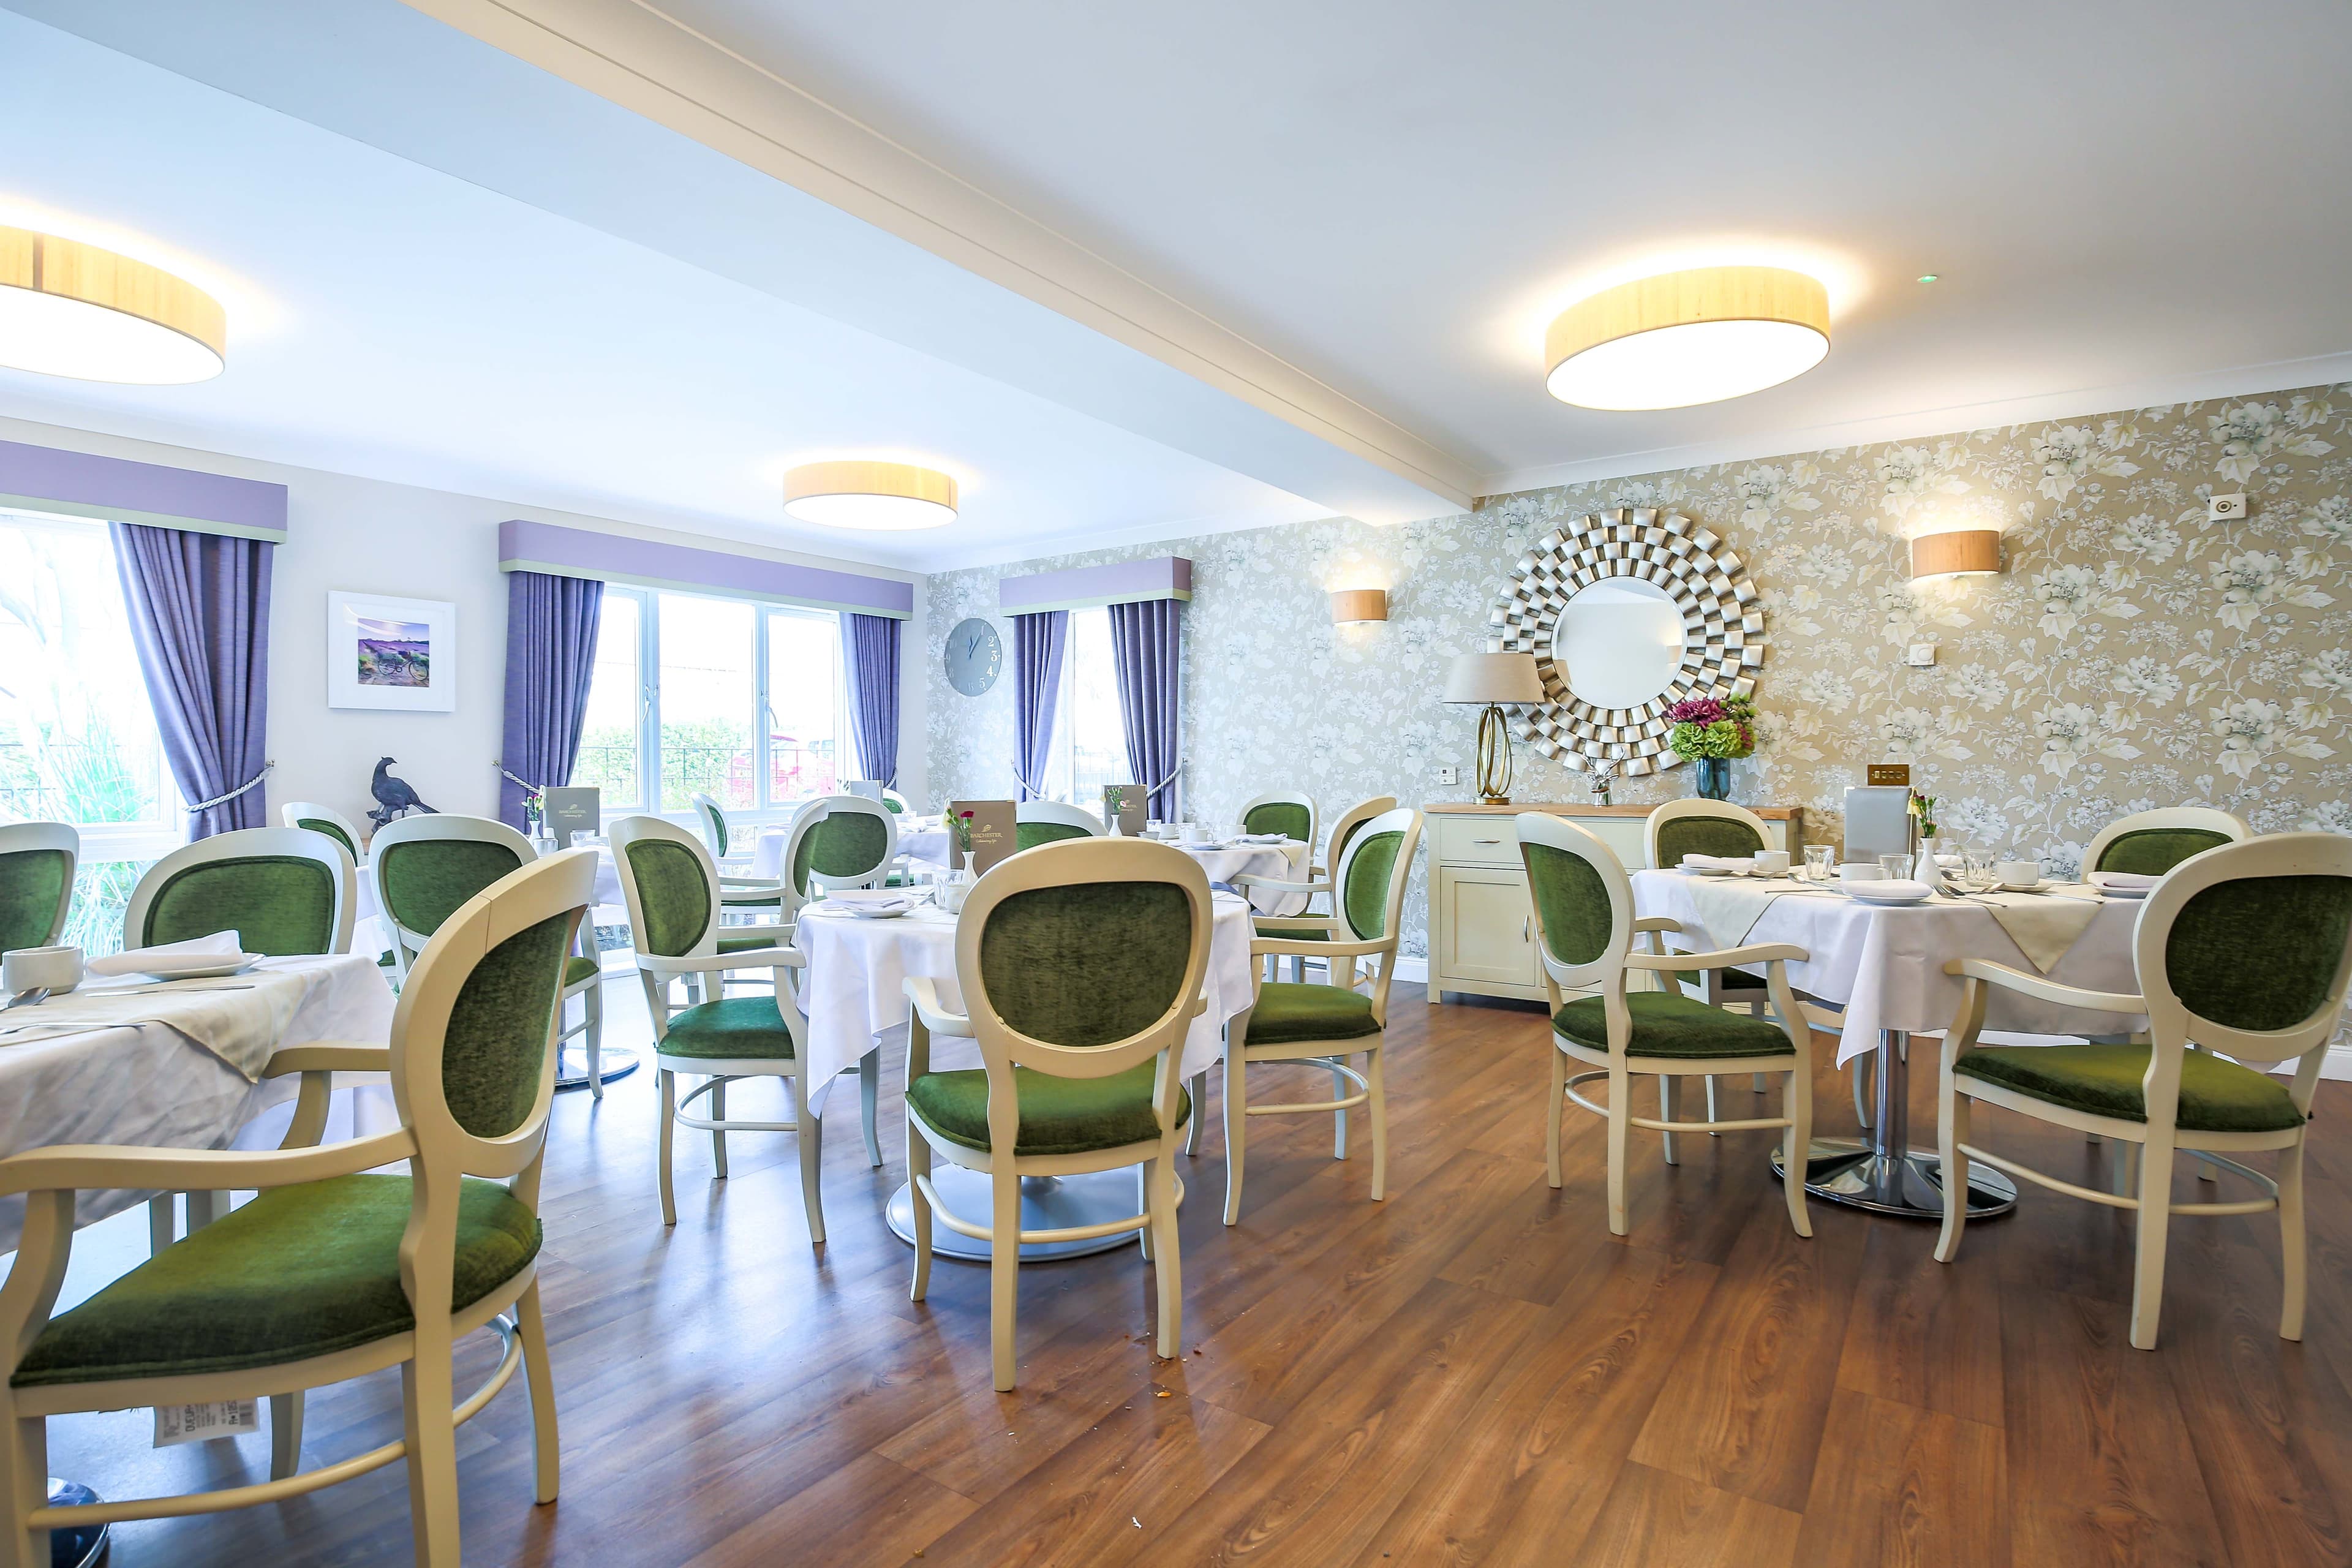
[(52, 969), (2019, 873), (1772, 862), (1861, 871)]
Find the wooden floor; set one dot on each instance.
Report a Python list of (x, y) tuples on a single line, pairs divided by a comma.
[(1474, 1372)]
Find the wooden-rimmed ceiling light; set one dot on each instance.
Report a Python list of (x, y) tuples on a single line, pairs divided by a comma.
[(1691, 337), (70, 309), (873, 496)]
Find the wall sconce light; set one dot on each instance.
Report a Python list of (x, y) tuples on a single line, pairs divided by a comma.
[(1360, 605), (1967, 552)]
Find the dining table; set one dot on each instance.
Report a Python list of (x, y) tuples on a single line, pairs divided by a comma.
[(854, 995), (1881, 968), (1284, 860)]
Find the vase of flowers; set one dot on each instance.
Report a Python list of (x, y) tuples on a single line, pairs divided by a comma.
[(1709, 732)]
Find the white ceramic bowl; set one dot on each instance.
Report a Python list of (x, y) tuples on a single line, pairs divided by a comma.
[(1861, 871)]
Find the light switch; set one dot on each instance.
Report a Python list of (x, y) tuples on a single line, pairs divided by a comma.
[(1920, 654)]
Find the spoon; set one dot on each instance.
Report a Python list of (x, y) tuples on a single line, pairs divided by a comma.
[(34, 997)]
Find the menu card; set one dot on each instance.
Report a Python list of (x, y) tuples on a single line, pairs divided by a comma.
[(572, 809), (1123, 809), (868, 789), (991, 826)]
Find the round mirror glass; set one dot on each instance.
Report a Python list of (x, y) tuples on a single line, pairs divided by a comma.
[(1619, 642)]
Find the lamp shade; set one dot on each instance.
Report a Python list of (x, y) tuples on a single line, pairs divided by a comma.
[(878, 496), (1493, 678), (1683, 337), (1360, 605), (70, 309), (1963, 552)]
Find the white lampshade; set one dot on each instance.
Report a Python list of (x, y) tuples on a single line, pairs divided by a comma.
[(874, 495), (70, 309), (1684, 338), (1493, 678)]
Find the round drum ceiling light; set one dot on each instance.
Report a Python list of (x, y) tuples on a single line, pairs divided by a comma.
[(871, 496), (1691, 337), (70, 309)]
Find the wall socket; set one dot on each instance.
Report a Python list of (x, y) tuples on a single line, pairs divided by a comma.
[(1449, 775), (2225, 508)]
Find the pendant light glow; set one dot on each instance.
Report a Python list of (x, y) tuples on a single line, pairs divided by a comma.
[(876, 497), (1684, 338), (70, 309)]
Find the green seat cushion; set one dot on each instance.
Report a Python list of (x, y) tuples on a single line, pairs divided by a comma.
[(33, 884), (1294, 932), (744, 943), (298, 1272), (282, 905), (1287, 1013), (743, 1028), (1740, 980), (1670, 1025), (577, 968), (2153, 851), (2216, 1095), (1058, 1115)]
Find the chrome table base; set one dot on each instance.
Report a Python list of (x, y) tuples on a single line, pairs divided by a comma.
[(1887, 1175), (571, 1065), (1047, 1203)]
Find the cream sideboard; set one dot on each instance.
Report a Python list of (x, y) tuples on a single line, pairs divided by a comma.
[(1481, 923)]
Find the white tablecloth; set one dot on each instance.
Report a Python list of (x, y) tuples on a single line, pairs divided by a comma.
[(1286, 861), (147, 1084), (858, 970), (1886, 965)]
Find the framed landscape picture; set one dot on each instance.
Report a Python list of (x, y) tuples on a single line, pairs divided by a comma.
[(391, 653)]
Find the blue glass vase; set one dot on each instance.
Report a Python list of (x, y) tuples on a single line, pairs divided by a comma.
[(1711, 777)]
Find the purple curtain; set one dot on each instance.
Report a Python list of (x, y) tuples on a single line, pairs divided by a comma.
[(199, 606), (1037, 644), (1147, 650), (551, 657), (869, 659)]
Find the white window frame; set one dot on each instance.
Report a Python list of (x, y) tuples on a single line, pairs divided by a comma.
[(1062, 750)]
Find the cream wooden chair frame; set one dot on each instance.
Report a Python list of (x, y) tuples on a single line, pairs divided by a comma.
[(1342, 953), (22, 837), (294, 813), (304, 842), (1067, 863), (806, 822), (891, 796), (710, 821), (1318, 876), (1606, 974), (439, 1152), (406, 943), (1283, 797), (786, 965), (2210, 820), (1061, 814), (2173, 1031)]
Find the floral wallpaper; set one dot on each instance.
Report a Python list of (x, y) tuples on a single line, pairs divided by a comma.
[(2133, 653)]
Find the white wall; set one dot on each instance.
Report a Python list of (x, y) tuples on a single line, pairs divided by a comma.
[(364, 534)]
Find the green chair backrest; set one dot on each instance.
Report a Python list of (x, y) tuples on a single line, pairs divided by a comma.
[(1572, 901), (1365, 899), (497, 1040), (714, 824), (841, 844), (2153, 851), (1704, 836), (33, 887), (1029, 835), (1287, 817), (1089, 963), (282, 905), (675, 894), (2260, 954), (426, 879), (333, 830)]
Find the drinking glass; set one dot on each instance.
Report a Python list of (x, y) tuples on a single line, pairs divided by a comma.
[(1976, 874), (1818, 858), (1895, 868)]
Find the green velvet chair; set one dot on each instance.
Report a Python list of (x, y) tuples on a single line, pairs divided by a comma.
[(425, 868), (1081, 964), (837, 841), (1308, 925), (284, 890), (1036, 822), (329, 1273), (1584, 928), (2150, 843), (1328, 1025), (2244, 950), (326, 819), (38, 860), (671, 888), (1285, 812)]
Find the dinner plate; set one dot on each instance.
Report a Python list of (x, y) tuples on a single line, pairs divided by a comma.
[(2037, 888), (198, 965), (1879, 893), (1712, 870), (2125, 892)]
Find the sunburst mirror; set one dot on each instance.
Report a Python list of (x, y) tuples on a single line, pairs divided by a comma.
[(1627, 613)]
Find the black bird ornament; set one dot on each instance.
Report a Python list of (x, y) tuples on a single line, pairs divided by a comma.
[(393, 797)]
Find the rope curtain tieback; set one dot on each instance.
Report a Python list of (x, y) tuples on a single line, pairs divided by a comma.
[(249, 783), (1150, 790), (524, 785)]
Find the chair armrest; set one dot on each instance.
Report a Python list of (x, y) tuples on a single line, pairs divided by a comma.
[(708, 963), (1657, 922), (924, 993), (327, 1056), (1276, 885), (2034, 985), (1327, 922), (1762, 952), (71, 1167), (1263, 945)]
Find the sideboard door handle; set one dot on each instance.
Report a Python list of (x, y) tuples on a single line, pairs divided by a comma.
[(1486, 841), (1525, 934)]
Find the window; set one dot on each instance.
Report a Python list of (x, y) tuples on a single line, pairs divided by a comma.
[(77, 736), (1089, 749), (738, 701)]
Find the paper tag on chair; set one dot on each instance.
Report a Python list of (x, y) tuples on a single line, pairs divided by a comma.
[(193, 1423)]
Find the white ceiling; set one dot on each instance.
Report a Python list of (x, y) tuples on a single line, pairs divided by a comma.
[(1136, 271)]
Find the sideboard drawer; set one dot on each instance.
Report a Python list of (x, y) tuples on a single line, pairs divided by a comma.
[(1487, 839)]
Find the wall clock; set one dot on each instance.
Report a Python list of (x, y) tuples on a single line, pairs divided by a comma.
[(974, 655)]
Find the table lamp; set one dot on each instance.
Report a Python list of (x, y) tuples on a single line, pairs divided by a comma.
[(1494, 678)]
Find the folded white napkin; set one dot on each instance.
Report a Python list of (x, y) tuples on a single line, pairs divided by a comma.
[(1721, 862), (1201, 844), (2130, 881), (131, 961), (1261, 839)]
